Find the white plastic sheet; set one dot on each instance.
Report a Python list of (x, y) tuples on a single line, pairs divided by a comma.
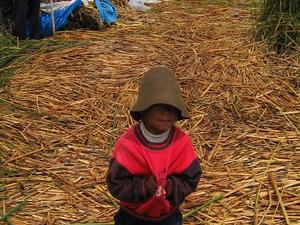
[(139, 5)]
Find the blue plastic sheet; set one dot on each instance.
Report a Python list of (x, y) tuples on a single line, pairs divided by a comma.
[(60, 18), (107, 11)]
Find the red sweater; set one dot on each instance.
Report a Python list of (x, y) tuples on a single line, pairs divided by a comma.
[(173, 163)]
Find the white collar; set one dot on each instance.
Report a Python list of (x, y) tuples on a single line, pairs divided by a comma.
[(154, 138)]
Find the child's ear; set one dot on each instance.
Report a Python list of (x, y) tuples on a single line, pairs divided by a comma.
[(142, 113), (177, 115), (177, 112)]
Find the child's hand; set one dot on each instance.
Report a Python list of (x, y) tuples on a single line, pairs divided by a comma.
[(151, 185), (160, 192)]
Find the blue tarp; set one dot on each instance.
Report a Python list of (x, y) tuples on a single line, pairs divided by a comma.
[(107, 13), (60, 18)]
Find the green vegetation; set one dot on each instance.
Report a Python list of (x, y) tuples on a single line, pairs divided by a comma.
[(7, 217), (279, 25)]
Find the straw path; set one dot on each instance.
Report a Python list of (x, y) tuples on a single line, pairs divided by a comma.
[(68, 107)]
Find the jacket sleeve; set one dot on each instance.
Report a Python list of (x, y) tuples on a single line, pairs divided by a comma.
[(123, 185), (181, 185)]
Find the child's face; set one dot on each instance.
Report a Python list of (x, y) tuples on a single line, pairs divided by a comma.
[(160, 117)]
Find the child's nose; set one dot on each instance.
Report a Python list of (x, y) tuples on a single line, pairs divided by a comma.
[(166, 110)]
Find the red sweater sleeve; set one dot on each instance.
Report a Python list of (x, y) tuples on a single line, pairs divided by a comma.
[(123, 185)]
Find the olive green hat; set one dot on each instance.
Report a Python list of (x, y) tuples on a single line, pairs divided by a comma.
[(159, 86)]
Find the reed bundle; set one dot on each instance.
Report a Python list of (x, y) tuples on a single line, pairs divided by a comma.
[(6, 16), (279, 25), (6, 10), (85, 17), (64, 109)]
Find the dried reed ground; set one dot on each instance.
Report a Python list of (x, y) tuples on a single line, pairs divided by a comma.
[(244, 102)]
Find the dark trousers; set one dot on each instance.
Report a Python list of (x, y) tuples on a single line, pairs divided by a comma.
[(27, 10), (123, 218)]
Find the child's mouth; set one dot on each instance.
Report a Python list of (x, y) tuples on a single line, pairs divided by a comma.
[(164, 120)]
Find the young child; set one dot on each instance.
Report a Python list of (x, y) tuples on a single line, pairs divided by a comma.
[(154, 166)]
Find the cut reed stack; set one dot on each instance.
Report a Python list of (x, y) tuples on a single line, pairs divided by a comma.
[(279, 25)]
